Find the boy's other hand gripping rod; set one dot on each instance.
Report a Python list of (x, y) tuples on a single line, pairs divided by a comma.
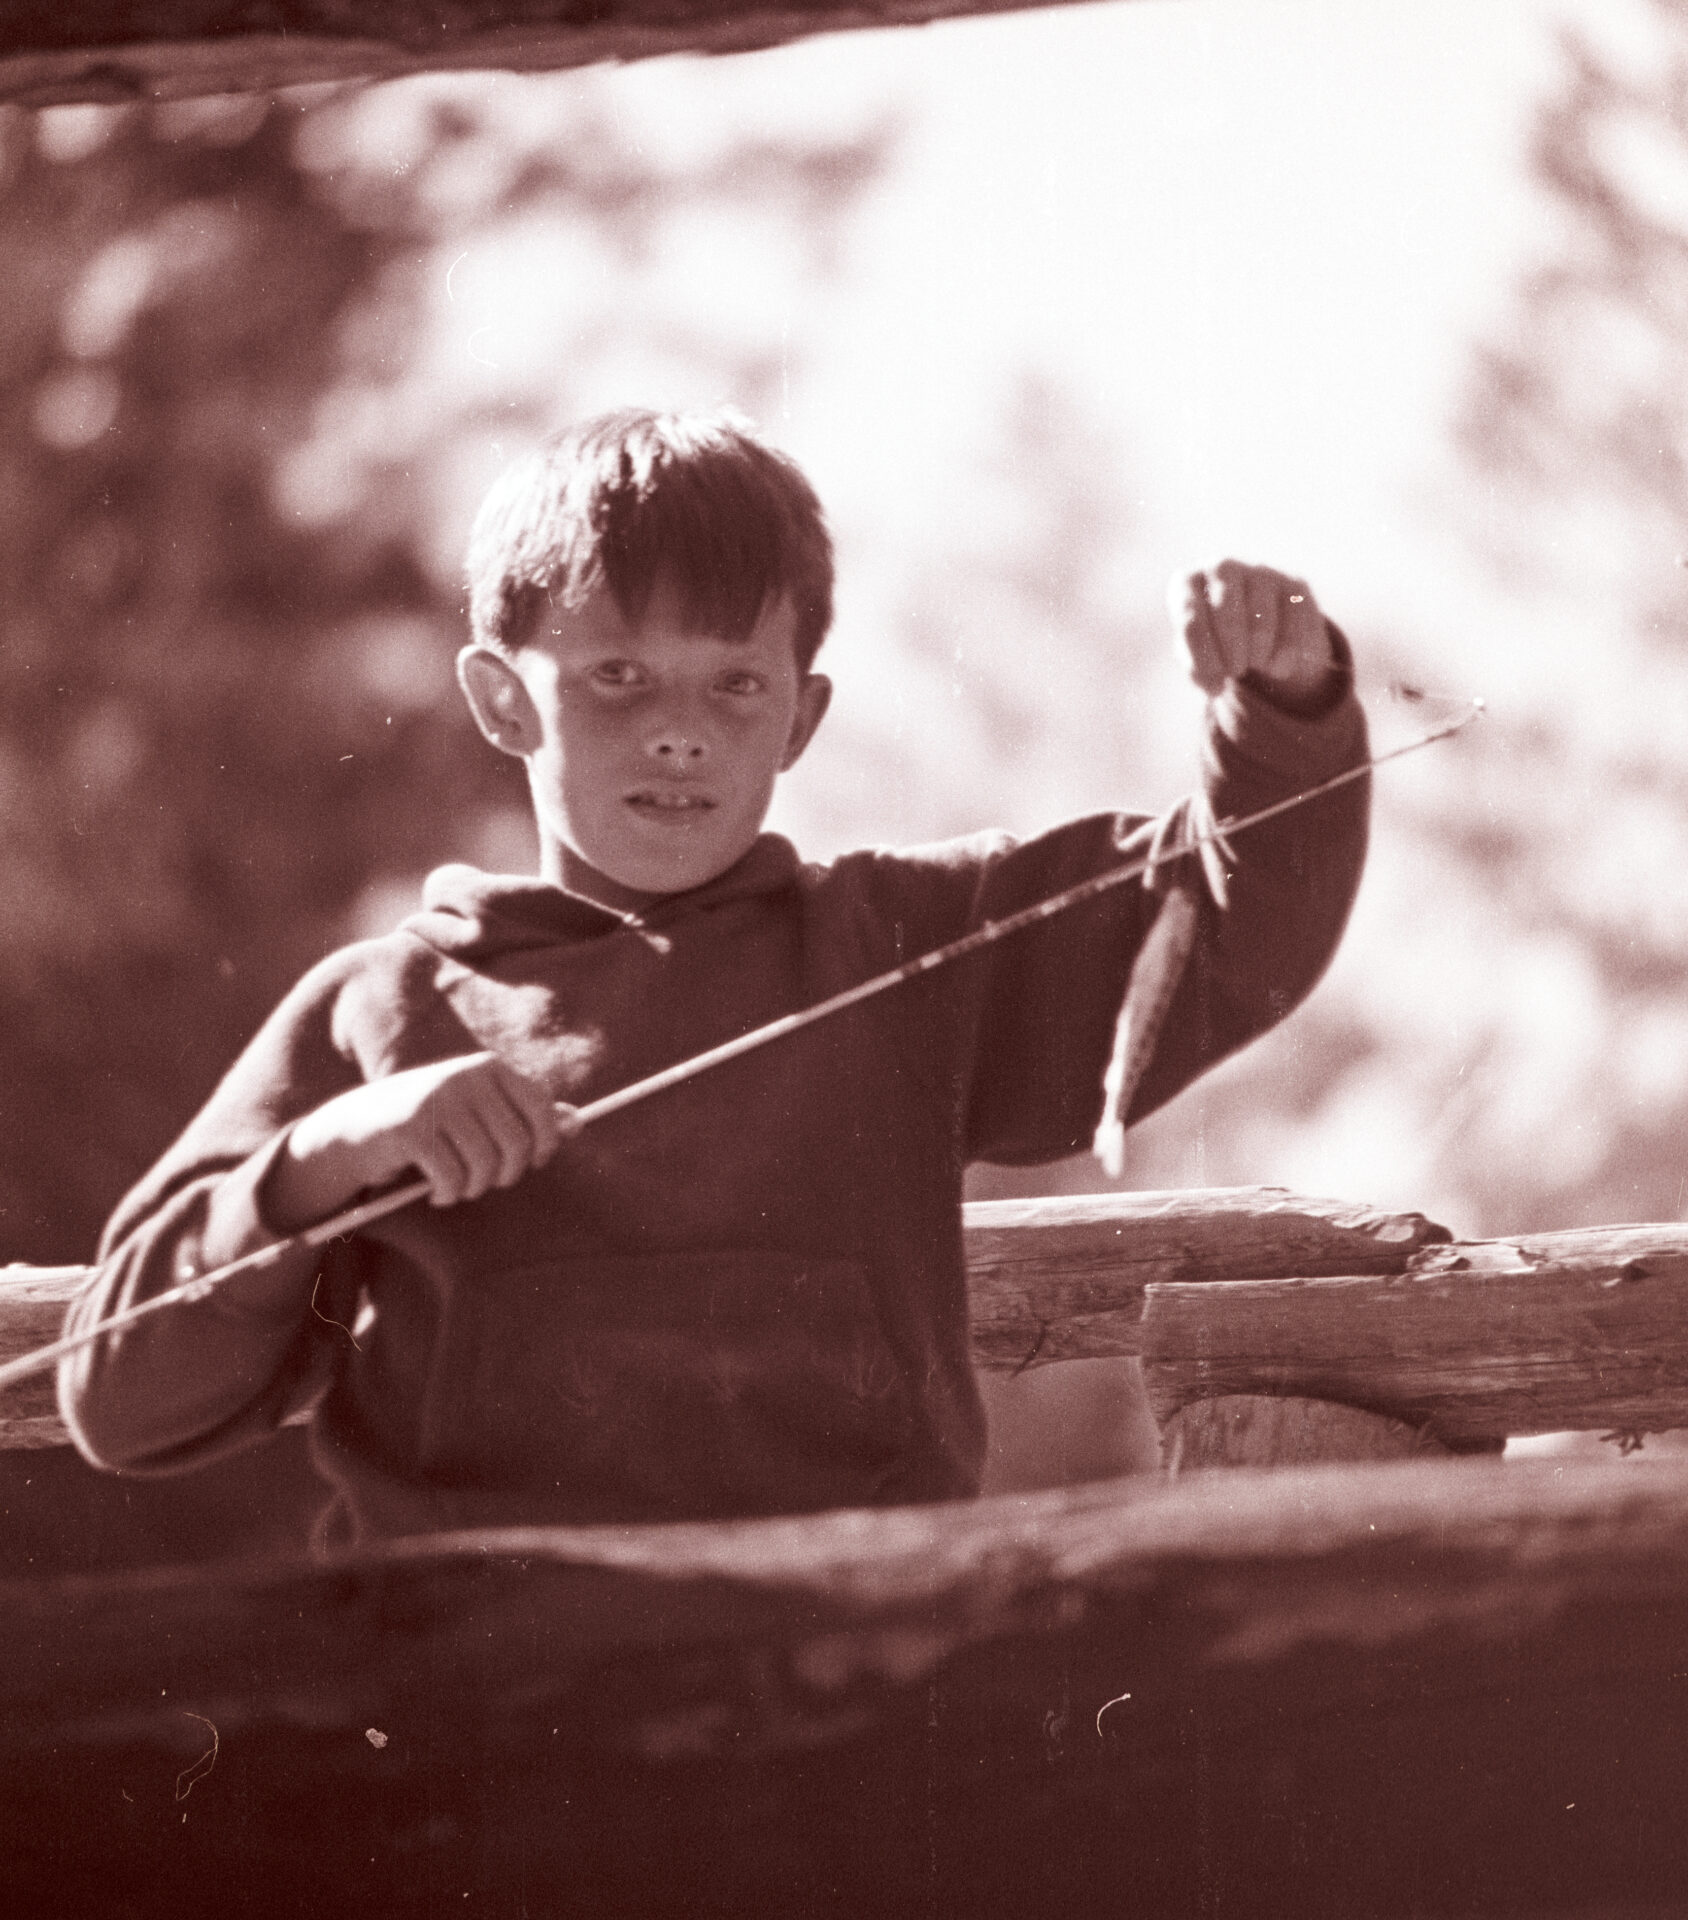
[(350, 1219)]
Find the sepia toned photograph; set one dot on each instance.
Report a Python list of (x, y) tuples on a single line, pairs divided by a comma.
[(844, 959)]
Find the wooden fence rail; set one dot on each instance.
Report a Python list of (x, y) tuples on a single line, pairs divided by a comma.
[(1254, 1291), (95, 52), (1422, 1689), (1419, 1689)]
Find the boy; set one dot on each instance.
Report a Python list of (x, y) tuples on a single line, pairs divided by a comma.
[(745, 1296)]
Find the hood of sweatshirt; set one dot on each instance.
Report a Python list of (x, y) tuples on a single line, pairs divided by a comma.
[(474, 916)]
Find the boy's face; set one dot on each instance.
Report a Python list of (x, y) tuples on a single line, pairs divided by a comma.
[(651, 751)]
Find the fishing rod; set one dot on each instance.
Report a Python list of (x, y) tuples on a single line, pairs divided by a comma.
[(350, 1219)]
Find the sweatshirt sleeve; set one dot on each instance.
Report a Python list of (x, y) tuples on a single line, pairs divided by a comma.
[(1049, 1005), (195, 1381)]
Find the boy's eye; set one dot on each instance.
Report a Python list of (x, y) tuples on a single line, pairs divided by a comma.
[(740, 680), (616, 673)]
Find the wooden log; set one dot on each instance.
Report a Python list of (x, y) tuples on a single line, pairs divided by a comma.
[(92, 51), (1397, 1690), (1050, 1279), (32, 1304), (1064, 1279), (1476, 1340)]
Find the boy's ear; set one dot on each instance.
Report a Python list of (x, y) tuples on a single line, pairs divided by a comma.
[(814, 696), (499, 700)]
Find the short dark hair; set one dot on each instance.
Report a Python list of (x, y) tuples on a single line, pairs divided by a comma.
[(634, 497)]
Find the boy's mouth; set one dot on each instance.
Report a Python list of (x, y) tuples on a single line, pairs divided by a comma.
[(669, 803)]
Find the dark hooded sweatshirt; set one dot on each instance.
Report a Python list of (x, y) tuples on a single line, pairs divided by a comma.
[(745, 1295)]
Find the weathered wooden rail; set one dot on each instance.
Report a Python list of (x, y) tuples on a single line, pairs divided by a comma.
[(1254, 1291), (1417, 1689), (95, 51), (1430, 1687)]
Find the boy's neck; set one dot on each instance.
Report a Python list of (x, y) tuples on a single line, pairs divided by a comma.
[(565, 868)]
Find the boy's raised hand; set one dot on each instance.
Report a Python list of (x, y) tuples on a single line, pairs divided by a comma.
[(1235, 619), (466, 1125)]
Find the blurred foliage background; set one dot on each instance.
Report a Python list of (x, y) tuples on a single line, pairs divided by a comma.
[(232, 497), (259, 357)]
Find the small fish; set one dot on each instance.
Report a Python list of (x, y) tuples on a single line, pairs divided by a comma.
[(1155, 974)]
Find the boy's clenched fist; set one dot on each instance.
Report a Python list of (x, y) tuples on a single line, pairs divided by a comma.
[(1234, 619)]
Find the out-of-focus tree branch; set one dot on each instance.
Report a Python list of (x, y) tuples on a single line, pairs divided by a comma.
[(228, 593)]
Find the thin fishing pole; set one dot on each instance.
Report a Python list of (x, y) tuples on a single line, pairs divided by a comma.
[(350, 1219)]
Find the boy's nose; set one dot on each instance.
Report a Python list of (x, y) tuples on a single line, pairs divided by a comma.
[(675, 747)]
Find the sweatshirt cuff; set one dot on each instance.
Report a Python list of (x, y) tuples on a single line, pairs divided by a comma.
[(1251, 727)]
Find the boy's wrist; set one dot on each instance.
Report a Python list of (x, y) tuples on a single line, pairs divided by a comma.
[(1311, 697), (309, 1179), (1301, 702)]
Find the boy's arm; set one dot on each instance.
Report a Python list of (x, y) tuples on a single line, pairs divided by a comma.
[(1282, 718), (292, 1135), (466, 1125), (1286, 902), (197, 1380)]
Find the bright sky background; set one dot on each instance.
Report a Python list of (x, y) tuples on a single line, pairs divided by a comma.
[(1256, 237)]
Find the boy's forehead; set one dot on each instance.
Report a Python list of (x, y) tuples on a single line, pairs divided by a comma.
[(667, 619)]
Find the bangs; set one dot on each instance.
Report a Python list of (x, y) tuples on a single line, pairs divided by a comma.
[(705, 534)]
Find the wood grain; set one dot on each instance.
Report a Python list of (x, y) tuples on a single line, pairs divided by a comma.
[(791, 1626), (1064, 1279), (1480, 1339), (1258, 1291), (1284, 1430), (32, 1304), (1376, 1691), (93, 52), (1050, 1280)]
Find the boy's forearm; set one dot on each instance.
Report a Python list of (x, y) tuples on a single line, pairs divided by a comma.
[(1265, 745), (191, 1378), (304, 1186), (1290, 890), (1297, 875), (162, 1387)]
